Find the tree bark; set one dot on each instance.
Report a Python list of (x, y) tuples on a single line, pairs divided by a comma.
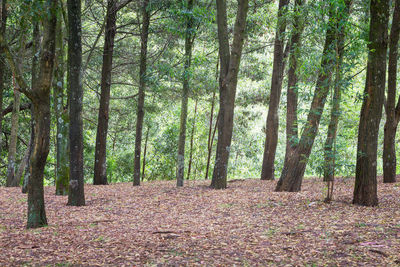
[(76, 195), (329, 147), (3, 21), (12, 148), (192, 141), (62, 160), (100, 162), (365, 189), (180, 172), (145, 152), (229, 62), (292, 134), (142, 86), (271, 139), (389, 147), (293, 169)]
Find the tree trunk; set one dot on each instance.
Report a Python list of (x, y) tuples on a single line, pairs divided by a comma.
[(211, 134), (192, 141), (142, 84), (145, 152), (3, 21), (389, 147), (100, 162), (293, 169), (230, 62), (271, 139), (12, 148), (329, 147), (62, 160), (185, 95), (24, 162), (76, 195), (292, 90), (365, 189), (34, 77)]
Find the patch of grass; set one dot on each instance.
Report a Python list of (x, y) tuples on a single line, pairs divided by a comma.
[(226, 205), (360, 225)]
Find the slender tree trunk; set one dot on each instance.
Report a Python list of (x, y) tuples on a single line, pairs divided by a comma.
[(230, 62), (100, 162), (34, 77), (292, 90), (24, 162), (365, 189), (192, 141), (293, 169), (142, 85), (389, 147), (329, 149), (145, 152), (271, 139), (3, 21), (27, 173), (210, 133), (12, 148), (180, 172), (76, 195), (62, 160)]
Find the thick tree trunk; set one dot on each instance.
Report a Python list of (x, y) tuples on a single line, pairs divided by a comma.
[(100, 162), (329, 147), (40, 96), (230, 62), (293, 169), (180, 170), (12, 147), (365, 189), (76, 195), (142, 85), (192, 141), (36, 209), (3, 21), (271, 139), (292, 90), (389, 148), (61, 114)]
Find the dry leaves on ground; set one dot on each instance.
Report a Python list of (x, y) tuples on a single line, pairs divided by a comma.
[(245, 225)]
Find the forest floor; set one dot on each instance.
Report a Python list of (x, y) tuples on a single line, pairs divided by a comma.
[(246, 225)]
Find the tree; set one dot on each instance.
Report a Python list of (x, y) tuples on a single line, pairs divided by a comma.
[(329, 147), (185, 93), (292, 87), (271, 139), (40, 97), (3, 25), (229, 68), (392, 112), (76, 195), (142, 85), (293, 169), (365, 188), (100, 164), (61, 112)]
